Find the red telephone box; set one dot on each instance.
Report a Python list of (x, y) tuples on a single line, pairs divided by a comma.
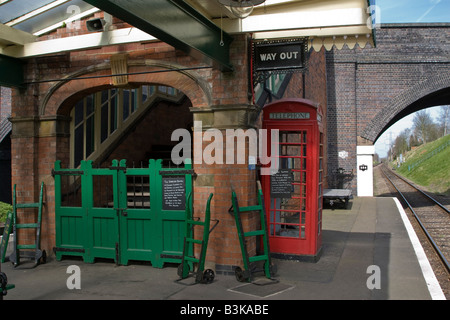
[(293, 195)]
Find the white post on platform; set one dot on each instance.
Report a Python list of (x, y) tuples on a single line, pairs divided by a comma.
[(364, 168)]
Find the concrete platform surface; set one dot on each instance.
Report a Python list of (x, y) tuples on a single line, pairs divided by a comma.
[(367, 255)]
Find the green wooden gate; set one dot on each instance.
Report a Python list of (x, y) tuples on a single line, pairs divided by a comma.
[(121, 213)]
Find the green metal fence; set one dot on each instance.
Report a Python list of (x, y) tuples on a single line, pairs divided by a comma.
[(428, 156), (121, 213)]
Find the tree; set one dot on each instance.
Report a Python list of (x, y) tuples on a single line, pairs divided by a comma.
[(401, 144), (424, 127), (444, 119), (413, 141)]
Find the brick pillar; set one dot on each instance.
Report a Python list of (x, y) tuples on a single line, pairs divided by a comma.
[(23, 172), (220, 178), (34, 149)]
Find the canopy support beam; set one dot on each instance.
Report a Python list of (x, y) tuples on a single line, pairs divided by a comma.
[(177, 24)]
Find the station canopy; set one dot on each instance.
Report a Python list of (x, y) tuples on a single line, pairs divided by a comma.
[(194, 26)]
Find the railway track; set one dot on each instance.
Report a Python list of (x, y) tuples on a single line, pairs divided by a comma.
[(432, 216)]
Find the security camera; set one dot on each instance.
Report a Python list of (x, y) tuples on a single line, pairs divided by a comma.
[(95, 24)]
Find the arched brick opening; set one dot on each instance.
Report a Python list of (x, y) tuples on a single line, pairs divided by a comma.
[(219, 100), (61, 96), (434, 91)]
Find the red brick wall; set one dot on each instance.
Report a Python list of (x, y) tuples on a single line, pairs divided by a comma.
[(34, 150), (34, 153)]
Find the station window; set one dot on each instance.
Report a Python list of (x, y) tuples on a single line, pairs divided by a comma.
[(99, 118)]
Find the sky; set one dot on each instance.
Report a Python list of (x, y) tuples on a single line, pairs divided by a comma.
[(409, 11), (388, 137), (414, 10)]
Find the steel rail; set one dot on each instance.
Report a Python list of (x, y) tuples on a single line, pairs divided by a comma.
[(430, 238), (421, 191)]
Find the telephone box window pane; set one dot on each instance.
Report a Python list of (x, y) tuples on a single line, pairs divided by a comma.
[(303, 232), (290, 137), (289, 224), (303, 193), (297, 177), (285, 217), (289, 163), (290, 231), (290, 217), (290, 150)]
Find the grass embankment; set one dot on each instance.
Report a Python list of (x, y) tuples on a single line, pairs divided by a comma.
[(433, 173)]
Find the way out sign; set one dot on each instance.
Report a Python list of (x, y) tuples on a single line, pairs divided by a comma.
[(281, 56)]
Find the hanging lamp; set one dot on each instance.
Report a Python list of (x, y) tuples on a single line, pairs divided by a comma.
[(241, 8)]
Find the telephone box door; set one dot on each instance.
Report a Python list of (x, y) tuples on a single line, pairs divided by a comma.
[(293, 194)]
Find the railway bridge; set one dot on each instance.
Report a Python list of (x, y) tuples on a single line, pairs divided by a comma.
[(370, 89)]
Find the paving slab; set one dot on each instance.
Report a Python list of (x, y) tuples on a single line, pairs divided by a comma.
[(367, 255)]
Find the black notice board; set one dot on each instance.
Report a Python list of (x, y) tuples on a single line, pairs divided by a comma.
[(174, 193), (281, 184)]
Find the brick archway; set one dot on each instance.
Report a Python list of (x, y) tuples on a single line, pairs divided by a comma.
[(53, 120), (431, 92), (60, 97)]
